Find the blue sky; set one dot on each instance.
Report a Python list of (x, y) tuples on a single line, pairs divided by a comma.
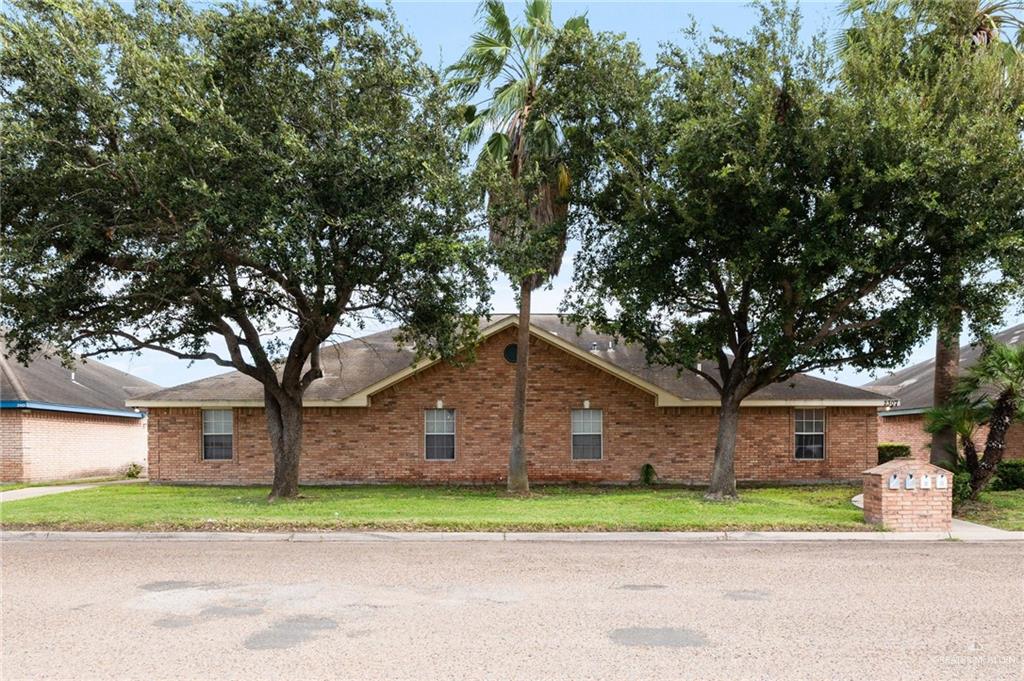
[(443, 30)]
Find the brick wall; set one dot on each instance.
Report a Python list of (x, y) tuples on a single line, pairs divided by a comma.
[(10, 445), (51, 445), (384, 442), (909, 429), (908, 510)]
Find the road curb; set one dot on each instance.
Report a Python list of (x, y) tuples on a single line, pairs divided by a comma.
[(570, 537)]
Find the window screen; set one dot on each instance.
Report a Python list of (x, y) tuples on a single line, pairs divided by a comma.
[(810, 433), (217, 434), (586, 434), (440, 433)]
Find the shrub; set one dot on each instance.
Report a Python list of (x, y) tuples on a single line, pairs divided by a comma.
[(887, 451), (961, 488), (132, 470), (1009, 475), (647, 474)]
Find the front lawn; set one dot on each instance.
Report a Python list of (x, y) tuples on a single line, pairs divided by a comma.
[(1004, 510), (157, 507), (8, 486)]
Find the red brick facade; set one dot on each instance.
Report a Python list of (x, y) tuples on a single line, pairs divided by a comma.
[(385, 441), (38, 445), (923, 507), (909, 429)]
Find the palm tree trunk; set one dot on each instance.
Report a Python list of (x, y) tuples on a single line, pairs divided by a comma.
[(947, 371), (518, 482), (995, 445)]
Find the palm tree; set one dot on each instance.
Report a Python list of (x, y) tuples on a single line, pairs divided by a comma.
[(526, 181), (986, 25), (963, 418), (990, 25), (991, 393)]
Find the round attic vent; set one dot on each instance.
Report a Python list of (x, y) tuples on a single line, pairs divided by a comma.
[(511, 353)]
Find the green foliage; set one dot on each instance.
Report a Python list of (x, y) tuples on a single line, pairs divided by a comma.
[(648, 476), (521, 167), (962, 491), (1009, 475), (248, 176), (955, 91), (751, 216), (998, 372), (990, 393), (745, 226), (262, 173), (132, 470), (887, 451)]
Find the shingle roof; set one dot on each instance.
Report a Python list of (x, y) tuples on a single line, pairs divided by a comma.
[(88, 385), (913, 386), (360, 364)]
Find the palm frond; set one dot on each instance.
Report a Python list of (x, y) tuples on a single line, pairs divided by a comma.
[(496, 19), (474, 129), (497, 147)]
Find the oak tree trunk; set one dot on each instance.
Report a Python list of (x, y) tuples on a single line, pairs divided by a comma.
[(723, 470), (284, 422), (947, 371), (518, 482)]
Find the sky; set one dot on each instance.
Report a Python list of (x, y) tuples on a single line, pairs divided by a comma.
[(443, 30)]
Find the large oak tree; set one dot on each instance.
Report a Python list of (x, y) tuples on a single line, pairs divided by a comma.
[(260, 175), (958, 64), (746, 227)]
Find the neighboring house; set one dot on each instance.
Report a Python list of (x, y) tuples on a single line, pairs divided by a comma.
[(913, 388), (59, 423), (597, 412)]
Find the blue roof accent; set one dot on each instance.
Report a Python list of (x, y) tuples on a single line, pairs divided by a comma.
[(46, 406)]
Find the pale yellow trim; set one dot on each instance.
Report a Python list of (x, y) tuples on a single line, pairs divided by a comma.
[(362, 401), (240, 404), (789, 403), (362, 398)]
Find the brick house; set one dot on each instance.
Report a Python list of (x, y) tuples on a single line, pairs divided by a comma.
[(597, 412), (912, 388), (58, 423)]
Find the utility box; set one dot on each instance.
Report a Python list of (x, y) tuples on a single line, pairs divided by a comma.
[(909, 496)]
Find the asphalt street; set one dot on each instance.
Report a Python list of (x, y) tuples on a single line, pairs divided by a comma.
[(506, 610)]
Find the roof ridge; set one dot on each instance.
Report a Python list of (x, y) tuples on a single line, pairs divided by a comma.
[(19, 389)]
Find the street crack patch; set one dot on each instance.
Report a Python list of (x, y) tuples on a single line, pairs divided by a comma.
[(664, 637), (177, 585), (289, 633), (746, 595)]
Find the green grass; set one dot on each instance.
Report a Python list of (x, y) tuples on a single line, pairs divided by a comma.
[(1004, 510), (157, 507), (7, 486)]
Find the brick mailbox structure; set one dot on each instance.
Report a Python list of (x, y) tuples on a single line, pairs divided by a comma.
[(909, 496)]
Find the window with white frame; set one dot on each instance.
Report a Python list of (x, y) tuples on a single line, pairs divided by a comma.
[(218, 432), (586, 434), (810, 433), (440, 434)]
